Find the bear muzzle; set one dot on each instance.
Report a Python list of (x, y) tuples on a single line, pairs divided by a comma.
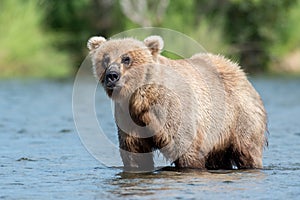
[(112, 76)]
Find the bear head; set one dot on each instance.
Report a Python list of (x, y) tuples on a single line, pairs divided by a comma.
[(121, 65)]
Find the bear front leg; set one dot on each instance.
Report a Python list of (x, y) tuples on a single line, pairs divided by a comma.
[(136, 153)]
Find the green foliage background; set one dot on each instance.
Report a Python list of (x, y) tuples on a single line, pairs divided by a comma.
[(47, 38), (26, 49)]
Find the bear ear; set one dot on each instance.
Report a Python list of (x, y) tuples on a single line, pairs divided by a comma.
[(155, 44), (95, 42)]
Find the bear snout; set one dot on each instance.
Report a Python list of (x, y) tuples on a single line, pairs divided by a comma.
[(112, 76)]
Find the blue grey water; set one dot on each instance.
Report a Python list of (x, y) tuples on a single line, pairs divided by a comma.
[(42, 156)]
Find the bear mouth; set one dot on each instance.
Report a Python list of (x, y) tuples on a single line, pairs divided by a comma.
[(112, 90), (109, 92), (110, 86)]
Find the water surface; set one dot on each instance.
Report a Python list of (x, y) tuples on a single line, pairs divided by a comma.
[(42, 156)]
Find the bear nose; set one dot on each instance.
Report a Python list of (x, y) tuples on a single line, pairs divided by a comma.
[(111, 77)]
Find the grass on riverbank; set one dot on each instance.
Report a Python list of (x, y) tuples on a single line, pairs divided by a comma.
[(26, 49)]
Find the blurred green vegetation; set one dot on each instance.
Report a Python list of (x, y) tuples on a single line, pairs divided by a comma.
[(25, 48), (288, 32), (47, 38)]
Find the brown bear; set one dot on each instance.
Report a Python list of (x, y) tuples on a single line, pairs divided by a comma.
[(199, 112)]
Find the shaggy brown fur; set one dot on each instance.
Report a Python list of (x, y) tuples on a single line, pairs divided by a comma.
[(200, 112)]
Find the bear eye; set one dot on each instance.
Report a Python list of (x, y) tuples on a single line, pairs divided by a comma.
[(126, 60), (105, 60)]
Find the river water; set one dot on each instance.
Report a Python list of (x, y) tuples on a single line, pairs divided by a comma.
[(42, 156)]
